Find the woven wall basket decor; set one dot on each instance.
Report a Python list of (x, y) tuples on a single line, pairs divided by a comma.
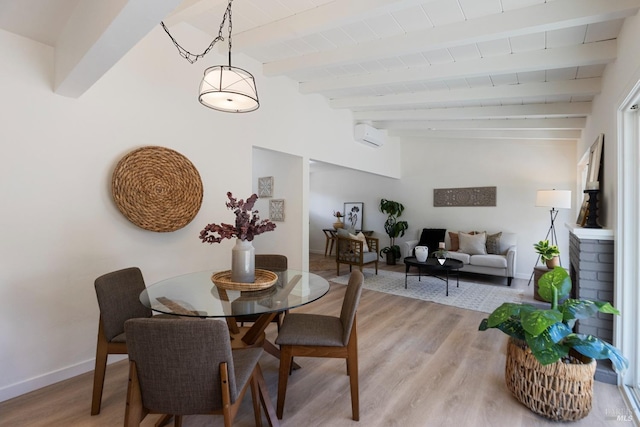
[(157, 189)]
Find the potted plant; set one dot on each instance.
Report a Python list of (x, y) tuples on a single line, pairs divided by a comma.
[(548, 253), (393, 228), (544, 354)]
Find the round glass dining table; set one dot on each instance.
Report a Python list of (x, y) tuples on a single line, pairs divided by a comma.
[(195, 295)]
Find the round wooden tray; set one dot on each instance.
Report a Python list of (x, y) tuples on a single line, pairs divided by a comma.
[(264, 279)]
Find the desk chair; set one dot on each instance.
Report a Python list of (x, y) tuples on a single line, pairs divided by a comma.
[(187, 367), (117, 294), (315, 335)]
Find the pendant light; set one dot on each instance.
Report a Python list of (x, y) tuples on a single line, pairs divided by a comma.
[(223, 87)]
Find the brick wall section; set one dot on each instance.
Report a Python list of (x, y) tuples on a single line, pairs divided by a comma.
[(592, 276)]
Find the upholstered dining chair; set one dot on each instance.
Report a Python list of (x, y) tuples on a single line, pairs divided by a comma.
[(118, 299), (187, 367), (272, 262), (316, 335)]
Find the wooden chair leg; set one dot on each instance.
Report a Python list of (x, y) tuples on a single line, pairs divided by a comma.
[(267, 404), (352, 361), (255, 398), (226, 394), (166, 418), (134, 411), (102, 353), (283, 377)]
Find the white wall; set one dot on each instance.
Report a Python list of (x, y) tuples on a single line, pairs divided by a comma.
[(61, 228), (286, 171), (517, 168), (618, 80)]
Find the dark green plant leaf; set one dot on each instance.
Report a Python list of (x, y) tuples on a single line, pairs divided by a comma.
[(605, 307), (578, 309), (483, 325), (595, 348), (558, 331), (502, 313), (513, 328), (545, 350), (536, 322), (557, 278)]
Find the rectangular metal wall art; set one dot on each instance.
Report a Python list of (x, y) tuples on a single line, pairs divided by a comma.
[(471, 196)]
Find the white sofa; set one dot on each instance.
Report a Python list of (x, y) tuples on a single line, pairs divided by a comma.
[(501, 264)]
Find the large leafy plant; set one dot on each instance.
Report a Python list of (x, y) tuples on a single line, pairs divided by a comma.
[(392, 226), (549, 332)]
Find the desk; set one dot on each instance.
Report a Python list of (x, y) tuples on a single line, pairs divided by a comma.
[(195, 295)]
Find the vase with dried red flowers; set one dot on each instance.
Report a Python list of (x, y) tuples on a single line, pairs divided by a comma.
[(247, 225)]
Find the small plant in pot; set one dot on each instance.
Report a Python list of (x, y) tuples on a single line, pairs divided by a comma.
[(393, 228), (543, 349), (548, 253)]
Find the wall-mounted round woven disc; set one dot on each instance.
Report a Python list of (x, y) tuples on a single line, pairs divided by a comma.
[(157, 188)]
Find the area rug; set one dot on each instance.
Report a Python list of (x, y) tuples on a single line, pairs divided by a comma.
[(470, 295)]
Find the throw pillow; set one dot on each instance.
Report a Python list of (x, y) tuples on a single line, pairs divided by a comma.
[(455, 241), (473, 244), (363, 239), (493, 243), (430, 238)]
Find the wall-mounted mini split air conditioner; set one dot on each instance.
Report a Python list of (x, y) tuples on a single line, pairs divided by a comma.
[(368, 135)]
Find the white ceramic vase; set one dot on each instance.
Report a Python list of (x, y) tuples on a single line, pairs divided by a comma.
[(422, 253), (243, 262)]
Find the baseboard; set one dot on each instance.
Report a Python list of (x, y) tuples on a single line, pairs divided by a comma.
[(24, 387)]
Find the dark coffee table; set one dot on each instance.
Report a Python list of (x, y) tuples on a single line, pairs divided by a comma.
[(431, 267)]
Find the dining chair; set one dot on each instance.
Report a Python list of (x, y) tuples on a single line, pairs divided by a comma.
[(272, 262), (187, 367), (316, 335), (118, 299)]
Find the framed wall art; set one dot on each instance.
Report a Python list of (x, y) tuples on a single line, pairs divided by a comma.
[(276, 210), (470, 196), (265, 186), (353, 215)]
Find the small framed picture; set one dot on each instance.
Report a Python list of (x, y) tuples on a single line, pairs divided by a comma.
[(265, 186), (353, 215), (276, 210)]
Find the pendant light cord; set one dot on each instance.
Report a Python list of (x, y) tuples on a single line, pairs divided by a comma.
[(191, 57)]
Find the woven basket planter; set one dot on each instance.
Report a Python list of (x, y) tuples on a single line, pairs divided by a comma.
[(560, 391)]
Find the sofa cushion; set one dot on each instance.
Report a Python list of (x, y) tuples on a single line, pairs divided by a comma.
[(493, 243), (465, 258), (473, 244), (431, 237), (495, 261), (342, 232), (369, 257)]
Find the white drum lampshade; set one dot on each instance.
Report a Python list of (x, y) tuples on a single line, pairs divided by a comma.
[(230, 89)]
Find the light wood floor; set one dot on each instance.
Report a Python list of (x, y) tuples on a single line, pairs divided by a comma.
[(420, 363)]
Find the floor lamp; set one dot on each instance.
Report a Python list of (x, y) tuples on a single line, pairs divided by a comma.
[(554, 199)]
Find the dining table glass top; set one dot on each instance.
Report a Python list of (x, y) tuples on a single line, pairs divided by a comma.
[(195, 295)]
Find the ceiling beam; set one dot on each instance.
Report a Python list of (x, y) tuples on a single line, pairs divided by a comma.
[(324, 17), (573, 123), (566, 135), (558, 109), (547, 59), (98, 34), (577, 87), (528, 20)]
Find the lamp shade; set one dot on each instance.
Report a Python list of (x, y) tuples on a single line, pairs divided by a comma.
[(560, 199), (230, 89)]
